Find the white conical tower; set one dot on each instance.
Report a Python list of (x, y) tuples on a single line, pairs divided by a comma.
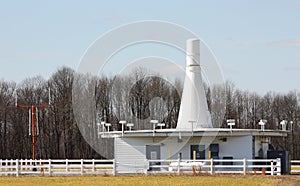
[(193, 109)]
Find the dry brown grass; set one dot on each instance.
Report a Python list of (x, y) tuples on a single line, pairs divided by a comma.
[(155, 180)]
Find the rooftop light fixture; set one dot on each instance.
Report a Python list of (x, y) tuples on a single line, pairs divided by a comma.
[(230, 123), (122, 122), (130, 125), (154, 122), (192, 123), (108, 126), (283, 124), (161, 125), (262, 124)]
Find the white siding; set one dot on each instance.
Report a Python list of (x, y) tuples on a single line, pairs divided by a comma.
[(237, 147), (173, 147), (130, 153), (130, 156)]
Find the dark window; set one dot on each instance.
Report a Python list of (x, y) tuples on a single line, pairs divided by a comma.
[(228, 162), (199, 150)]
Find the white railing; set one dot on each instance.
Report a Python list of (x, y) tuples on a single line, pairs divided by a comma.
[(109, 167), (295, 166), (56, 167), (216, 166)]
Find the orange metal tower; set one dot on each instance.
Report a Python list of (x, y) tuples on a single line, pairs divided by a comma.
[(33, 110)]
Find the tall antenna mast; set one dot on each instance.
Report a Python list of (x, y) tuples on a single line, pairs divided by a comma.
[(33, 125)]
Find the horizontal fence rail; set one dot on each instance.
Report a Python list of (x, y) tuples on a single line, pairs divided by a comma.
[(82, 167), (56, 167), (216, 166), (295, 166)]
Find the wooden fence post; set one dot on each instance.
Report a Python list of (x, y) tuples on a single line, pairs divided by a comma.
[(114, 167), (81, 170), (67, 165), (244, 166), (211, 166), (178, 166), (49, 168), (93, 166), (11, 165), (17, 167), (278, 165), (272, 167)]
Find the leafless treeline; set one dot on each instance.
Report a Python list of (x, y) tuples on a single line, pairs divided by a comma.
[(136, 98)]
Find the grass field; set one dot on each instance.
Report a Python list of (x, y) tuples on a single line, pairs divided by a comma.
[(154, 180)]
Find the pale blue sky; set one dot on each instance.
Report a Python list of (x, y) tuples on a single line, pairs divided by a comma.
[(257, 42)]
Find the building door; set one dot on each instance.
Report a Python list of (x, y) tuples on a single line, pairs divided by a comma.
[(199, 151), (153, 153), (214, 151)]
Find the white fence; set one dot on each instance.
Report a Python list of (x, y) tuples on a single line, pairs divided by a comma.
[(217, 166), (295, 166), (110, 167), (56, 167)]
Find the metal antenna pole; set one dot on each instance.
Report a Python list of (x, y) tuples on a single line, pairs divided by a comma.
[(33, 127), (33, 131)]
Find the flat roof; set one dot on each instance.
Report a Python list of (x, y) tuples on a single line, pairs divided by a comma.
[(220, 132)]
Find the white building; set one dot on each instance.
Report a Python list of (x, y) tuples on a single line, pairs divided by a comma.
[(133, 148), (192, 140)]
